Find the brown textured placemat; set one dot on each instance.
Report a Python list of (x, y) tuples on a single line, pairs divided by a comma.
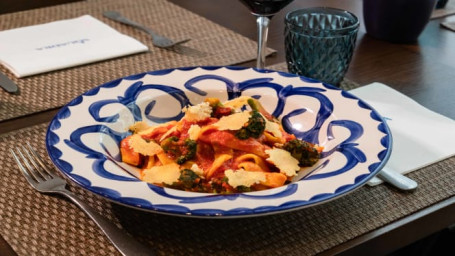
[(37, 224), (210, 44), (346, 84)]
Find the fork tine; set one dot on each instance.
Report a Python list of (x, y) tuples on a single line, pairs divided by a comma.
[(33, 166), (24, 166), (42, 166), (26, 163)]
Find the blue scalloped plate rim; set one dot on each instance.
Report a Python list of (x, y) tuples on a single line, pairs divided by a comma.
[(180, 210)]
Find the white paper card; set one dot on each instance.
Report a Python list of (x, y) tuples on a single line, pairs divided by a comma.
[(61, 44), (420, 136)]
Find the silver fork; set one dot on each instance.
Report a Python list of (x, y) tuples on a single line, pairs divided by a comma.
[(157, 40), (45, 180)]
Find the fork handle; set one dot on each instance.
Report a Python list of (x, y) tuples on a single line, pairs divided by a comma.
[(113, 15), (123, 242)]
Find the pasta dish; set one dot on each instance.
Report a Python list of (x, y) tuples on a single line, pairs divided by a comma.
[(230, 147)]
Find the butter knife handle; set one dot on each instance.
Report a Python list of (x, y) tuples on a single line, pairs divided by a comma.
[(8, 85), (397, 179)]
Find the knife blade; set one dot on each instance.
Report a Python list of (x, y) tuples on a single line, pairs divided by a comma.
[(8, 85)]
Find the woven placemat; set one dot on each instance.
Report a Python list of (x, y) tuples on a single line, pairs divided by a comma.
[(37, 224), (210, 44), (346, 84)]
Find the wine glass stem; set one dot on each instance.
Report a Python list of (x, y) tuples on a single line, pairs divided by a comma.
[(263, 28)]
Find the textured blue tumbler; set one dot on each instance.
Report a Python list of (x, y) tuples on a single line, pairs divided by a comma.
[(319, 42)]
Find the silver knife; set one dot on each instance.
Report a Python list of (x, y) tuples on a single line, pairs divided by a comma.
[(8, 85)]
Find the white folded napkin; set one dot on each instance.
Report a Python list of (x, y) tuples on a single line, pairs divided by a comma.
[(420, 136), (61, 44)]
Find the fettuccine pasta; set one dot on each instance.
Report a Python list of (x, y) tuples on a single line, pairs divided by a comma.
[(229, 147)]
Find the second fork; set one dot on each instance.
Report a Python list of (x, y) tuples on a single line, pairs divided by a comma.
[(158, 40)]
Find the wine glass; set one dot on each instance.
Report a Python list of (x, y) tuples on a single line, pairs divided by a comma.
[(264, 11)]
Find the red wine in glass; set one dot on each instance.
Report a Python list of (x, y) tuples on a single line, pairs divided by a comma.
[(265, 7), (264, 11)]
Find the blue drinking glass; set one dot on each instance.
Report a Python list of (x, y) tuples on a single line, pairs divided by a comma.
[(319, 42)]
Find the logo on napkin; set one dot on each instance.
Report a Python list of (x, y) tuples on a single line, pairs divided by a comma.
[(47, 47), (61, 44)]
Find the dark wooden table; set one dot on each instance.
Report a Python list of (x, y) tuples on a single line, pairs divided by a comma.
[(425, 71)]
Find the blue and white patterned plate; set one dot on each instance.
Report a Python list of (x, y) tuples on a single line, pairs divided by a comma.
[(83, 138)]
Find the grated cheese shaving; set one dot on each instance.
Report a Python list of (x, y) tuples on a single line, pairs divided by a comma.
[(197, 112), (196, 169), (194, 131), (237, 102), (244, 178), (283, 160), (167, 174), (232, 122), (273, 128), (141, 146)]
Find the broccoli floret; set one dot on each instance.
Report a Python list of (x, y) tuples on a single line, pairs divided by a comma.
[(170, 145), (302, 151), (189, 178), (189, 151), (184, 151), (254, 128)]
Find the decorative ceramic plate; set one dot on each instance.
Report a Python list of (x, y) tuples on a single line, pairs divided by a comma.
[(83, 138)]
